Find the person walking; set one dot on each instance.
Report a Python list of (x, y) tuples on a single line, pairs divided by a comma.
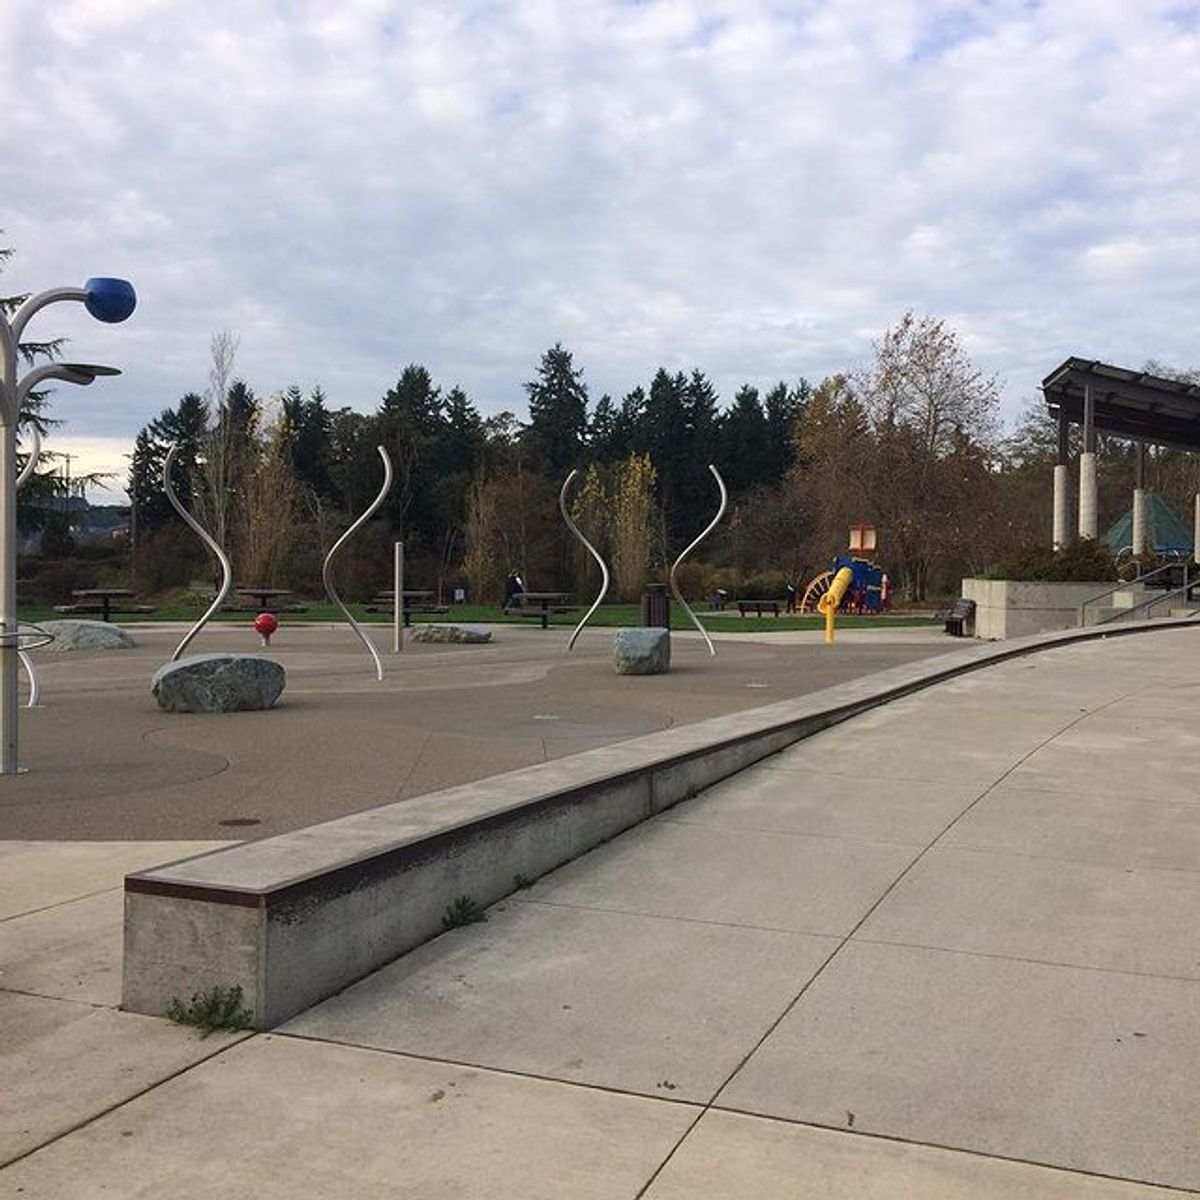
[(514, 585)]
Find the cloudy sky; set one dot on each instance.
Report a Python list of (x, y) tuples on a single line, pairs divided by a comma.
[(758, 188)]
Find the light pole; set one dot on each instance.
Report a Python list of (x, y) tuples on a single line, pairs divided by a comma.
[(108, 300)]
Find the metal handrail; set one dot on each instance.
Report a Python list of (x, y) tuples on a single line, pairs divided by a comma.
[(1153, 600), (1122, 584)]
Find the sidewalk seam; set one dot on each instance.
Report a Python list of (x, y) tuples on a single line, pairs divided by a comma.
[(891, 887)]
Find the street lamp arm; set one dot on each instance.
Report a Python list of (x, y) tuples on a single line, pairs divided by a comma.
[(35, 452), (68, 372), (21, 317)]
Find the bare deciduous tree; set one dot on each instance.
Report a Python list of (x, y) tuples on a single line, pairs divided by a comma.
[(216, 474), (633, 524), (479, 554), (924, 398), (267, 512)]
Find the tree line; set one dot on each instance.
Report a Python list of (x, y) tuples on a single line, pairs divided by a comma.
[(911, 443)]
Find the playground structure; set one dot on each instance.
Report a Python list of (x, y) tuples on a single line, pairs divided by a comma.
[(857, 584), (866, 593)]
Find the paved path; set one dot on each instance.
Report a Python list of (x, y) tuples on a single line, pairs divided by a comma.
[(945, 949)]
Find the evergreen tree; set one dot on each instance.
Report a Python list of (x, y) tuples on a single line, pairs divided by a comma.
[(409, 423), (667, 441), (353, 462), (744, 448), (183, 426), (306, 432), (629, 432), (782, 405), (602, 431), (413, 407), (463, 438), (703, 417), (558, 421)]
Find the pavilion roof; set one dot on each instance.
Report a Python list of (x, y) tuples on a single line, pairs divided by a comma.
[(1128, 403)]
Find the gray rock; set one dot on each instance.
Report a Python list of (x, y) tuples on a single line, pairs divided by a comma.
[(451, 633), (642, 651), (86, 635), (218, 683)]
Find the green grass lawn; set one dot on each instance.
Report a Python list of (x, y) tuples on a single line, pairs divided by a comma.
[(609, 615)]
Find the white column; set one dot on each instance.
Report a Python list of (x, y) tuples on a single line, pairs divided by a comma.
[(1196, 529), (1062, 480), (1139, 521), (1087, 495)]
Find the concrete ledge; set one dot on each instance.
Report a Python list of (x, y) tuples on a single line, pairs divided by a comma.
[(293, 919)]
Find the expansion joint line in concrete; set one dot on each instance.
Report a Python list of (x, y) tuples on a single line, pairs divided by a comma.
[(982, 1155), (845, 941), (488, 1068), (1033, 962), (29, 912), (235, 1040)]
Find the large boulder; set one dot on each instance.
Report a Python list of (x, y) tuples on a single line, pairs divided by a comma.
[(642, 651), (218, 683), (86, 635), (451, 633)]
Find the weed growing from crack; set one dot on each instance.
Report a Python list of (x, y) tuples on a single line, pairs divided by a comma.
[(216, 1009), (464, 911)]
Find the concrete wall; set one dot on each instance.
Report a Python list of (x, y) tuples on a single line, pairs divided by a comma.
[(1006, 608), (294, 918)]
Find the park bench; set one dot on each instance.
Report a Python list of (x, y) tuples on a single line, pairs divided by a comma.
[(958, 616), (758, 606)]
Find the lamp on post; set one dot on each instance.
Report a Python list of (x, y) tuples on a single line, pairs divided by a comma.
[(108, 300)]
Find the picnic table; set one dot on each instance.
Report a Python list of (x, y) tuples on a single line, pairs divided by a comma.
[(413, 600), (98, 600), (264, 596), (540, 604)]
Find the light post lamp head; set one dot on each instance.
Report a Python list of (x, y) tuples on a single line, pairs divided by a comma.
[(110, 300), (83, 373)]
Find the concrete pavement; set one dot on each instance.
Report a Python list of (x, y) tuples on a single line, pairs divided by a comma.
[(944, 949), (106, 764)]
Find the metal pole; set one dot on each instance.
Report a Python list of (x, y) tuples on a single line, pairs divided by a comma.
[(398, 593), (108, 300), (8, 553)]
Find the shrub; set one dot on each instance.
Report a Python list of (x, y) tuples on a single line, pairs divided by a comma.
[(763, 585), (1080, 562)]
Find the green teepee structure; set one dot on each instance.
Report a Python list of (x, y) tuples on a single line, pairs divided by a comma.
[(1165, 532)]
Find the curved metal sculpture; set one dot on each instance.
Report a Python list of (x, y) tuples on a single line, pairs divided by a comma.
[(562, 505), (675, 566), (35, 691), (327, 573), (209, 541)]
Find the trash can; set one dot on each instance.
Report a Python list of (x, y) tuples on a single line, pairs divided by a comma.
[(656, 607)]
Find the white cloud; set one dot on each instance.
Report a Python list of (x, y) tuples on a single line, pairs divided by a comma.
[(750, 187)]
